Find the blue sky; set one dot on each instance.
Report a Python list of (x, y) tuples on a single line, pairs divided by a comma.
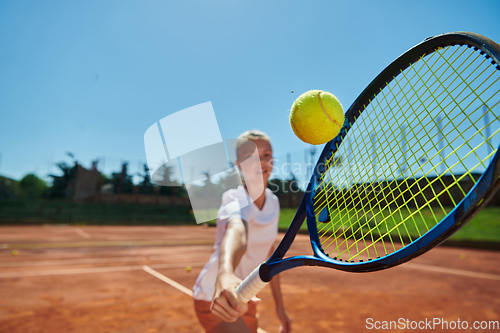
[(89, 77)]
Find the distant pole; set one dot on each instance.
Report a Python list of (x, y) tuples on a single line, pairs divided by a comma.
[(289, 163), (102, 161), (487, 128), (139, 169), (405, 162), (121, 179), (441, 144), (289, 195), (312, 151), (306, 155), (1, 161), (373, 138)]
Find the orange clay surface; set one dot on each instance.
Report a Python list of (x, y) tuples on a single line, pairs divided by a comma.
[(91, 279)]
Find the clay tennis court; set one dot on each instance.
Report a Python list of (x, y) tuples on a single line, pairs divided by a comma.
[(96, 279)]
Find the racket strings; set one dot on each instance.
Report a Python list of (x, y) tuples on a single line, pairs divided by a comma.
[(369, 202), (400, 236), (415, 135), (386, 225), (373, 215), (467, 85), (407, 82), (405, 180), (445, 189), (413, 154)]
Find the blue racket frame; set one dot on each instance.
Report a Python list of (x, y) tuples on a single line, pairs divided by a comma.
[(473, 202)]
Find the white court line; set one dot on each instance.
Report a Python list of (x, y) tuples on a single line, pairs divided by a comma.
[(93, 270), (139, 267), (82, 233), (171, 282), (178, 286), (452, 271), (80, 244), (76, 261)]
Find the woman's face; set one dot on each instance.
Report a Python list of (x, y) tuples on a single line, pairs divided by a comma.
[(255, 160)]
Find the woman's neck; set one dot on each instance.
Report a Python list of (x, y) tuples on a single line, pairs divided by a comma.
[(260, 201)]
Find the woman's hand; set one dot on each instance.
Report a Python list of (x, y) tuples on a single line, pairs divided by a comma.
[(226, 304)]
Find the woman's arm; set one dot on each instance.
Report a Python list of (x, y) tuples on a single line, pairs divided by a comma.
[(284, 317), (226, 304)]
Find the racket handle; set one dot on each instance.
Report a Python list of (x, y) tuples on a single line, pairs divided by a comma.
[(250, 286)]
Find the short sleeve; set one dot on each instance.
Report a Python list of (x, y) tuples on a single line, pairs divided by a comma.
[(230, 207)]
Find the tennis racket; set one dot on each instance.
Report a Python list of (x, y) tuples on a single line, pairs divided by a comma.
[(416, 159)]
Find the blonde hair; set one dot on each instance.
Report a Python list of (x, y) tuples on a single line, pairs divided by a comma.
[(251, 135)]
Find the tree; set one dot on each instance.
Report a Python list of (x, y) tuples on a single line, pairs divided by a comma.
[(61, 185), (282, 187), (231, 179), (167, 185), (122, 182), (146, 186), (8, 188), (32, 187)]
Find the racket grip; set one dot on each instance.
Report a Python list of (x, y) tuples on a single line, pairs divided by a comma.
[(250, 286)]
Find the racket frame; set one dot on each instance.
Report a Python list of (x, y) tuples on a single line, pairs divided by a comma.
[(467, 208)]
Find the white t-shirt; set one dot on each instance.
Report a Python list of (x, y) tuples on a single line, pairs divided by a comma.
[(262, 232)]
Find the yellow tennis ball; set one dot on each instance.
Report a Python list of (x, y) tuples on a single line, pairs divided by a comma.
[(15, 252), (316, 117), (188, 268)]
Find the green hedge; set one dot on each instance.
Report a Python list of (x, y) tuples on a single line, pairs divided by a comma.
[(485, 226), (55, 211)]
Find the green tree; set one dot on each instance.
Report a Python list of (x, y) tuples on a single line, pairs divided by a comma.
[(61, 185), (9, 188), (32, 187), (122, 182), (169, 186), (146, 186)]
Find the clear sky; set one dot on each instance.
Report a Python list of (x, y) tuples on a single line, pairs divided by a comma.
[(89, 77)]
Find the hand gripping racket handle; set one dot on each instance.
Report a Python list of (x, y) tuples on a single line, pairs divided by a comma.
[(250, 286)]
